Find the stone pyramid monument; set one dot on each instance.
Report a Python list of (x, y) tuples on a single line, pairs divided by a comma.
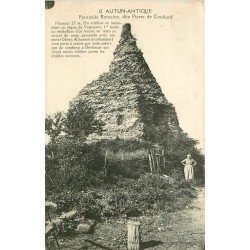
[(127, 99)]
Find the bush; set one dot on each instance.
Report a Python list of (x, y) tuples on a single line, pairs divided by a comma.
[(75, 173), (75, 166), (65, 201), (127, 168), (130, 198), (90, 206), (154, 180)]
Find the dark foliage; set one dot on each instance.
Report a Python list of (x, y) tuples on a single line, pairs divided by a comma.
[(128, 198), (74, 166), (80, 120), (54, 124)]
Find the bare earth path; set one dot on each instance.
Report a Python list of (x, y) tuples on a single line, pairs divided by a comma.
[(184, 229)]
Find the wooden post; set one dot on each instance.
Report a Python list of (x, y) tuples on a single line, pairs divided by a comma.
[(150, 161), (157, 155), (105, 165), (153, 159), (164, 163), (159, 164), (134, 235)]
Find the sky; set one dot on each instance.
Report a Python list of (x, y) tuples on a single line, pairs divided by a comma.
[(173, 49)]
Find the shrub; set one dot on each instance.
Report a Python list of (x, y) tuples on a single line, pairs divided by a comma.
[(75, 165), (75, 173), (90, 206), (127, 168), (154, 180), (130, 198)]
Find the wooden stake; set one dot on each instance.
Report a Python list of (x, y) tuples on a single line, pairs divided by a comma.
[(134, 235), (164, 163), (157, 163), (153, 159), (150, 162), (105, 165)]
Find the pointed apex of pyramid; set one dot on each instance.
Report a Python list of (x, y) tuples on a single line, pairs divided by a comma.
[(126, 31), (127, 44)]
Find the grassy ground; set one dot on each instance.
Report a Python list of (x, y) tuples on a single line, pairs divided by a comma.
[(183, 229)]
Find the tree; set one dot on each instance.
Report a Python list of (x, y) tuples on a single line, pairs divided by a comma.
[(68, 156), (53, 128), (80, 120)]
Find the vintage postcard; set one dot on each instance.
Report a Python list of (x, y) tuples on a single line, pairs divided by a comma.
[(125, 154)]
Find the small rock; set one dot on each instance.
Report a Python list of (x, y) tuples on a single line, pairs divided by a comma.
[(83, 228)]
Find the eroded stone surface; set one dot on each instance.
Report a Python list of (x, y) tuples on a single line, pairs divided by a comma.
[(127, 99)]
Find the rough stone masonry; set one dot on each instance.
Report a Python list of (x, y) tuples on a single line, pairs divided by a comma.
[(127, 99)]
